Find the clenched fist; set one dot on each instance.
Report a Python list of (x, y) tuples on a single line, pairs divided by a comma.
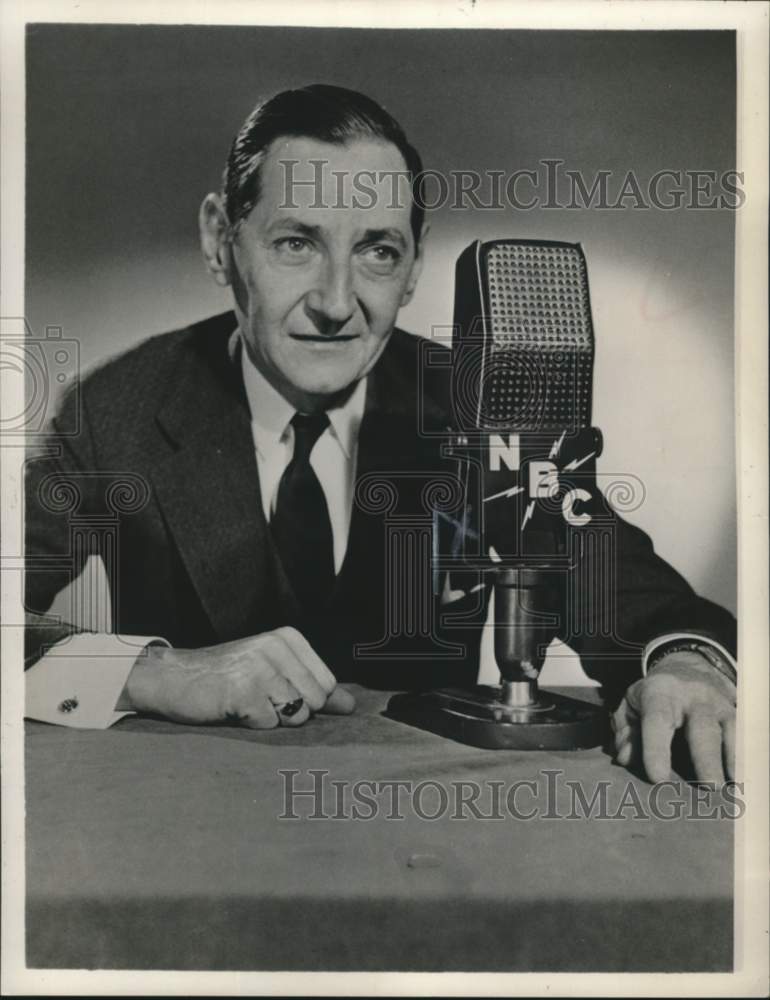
[(260, 682)]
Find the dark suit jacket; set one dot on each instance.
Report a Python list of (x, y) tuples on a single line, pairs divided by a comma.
[(190, 555)]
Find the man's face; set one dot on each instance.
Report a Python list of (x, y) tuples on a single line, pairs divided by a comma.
[(317, 289)]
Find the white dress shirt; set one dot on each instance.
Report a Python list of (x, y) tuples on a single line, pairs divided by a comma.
[(333, 457)]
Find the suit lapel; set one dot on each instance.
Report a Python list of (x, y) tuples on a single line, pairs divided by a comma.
[(208, 487)]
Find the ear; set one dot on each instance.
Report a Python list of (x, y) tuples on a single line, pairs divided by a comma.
[(419, 259), (214, 227)]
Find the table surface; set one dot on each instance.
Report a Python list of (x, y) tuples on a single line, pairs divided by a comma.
[(158, 846)]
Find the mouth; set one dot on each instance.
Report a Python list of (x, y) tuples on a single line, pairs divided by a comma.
[(308, 338)]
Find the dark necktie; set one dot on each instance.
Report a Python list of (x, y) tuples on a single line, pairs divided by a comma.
[(300, 525)]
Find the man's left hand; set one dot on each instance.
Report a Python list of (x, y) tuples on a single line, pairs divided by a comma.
[(683, 692)]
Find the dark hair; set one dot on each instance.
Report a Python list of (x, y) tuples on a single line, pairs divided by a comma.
[(319, 111)]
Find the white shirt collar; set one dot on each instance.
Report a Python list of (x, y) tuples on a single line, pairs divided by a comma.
[(271, 414)]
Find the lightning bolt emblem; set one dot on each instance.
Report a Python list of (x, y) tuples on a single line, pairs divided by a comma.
[(556, 446), (505, 493), (577, 462)]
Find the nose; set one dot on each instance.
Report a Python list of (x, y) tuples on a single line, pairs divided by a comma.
[(331, 302)]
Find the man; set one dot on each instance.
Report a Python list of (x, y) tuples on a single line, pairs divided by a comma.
[(248, 434)]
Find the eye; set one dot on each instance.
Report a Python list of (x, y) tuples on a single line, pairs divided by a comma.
[(381, 258), (293, 248)]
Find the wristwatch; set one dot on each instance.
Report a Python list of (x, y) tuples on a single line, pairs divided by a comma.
[(717, 660)]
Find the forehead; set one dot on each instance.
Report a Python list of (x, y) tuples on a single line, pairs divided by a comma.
[(361, 184)]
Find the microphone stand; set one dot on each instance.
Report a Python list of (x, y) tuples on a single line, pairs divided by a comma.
[(514, 715), (522, 596)]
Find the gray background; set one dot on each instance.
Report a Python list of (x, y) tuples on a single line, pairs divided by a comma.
[(128, 127)]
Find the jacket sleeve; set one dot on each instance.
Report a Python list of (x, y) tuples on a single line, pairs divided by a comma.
[(73, 678), (621, 596), (55, 491)]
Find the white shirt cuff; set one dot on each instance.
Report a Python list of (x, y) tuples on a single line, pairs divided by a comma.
[(663, 640), (79, 681)]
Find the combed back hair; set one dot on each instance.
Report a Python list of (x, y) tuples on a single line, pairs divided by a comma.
[(319, 111)]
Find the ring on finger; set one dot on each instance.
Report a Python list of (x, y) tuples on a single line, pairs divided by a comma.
[(288, 709)]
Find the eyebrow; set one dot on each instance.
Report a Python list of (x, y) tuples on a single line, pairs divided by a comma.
[(378, 235), (295, 226)]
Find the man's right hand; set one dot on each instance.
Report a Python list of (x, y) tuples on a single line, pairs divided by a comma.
[(260, 682)]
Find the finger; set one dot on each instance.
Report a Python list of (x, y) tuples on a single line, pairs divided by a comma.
[(339, 702), (308, 657), (624, 717), (658, 728), (247, 704), (622, 735), (261, 714), (276, 649), (288, 702), (625, 726), (292, 713), (629, 748), (728, 747), (704, 738), (624, 754)]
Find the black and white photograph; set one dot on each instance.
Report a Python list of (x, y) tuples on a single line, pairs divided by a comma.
[(384, 542)]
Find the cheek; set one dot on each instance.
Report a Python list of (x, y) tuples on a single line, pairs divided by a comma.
[(382, 302), (270, 304), (265, 293)]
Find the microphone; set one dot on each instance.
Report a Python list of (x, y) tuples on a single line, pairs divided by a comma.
[(523, 352), (521, 394), (523, 337), (522, 369)]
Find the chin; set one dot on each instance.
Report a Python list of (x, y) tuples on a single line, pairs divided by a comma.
[(327, 383), (327, 388)]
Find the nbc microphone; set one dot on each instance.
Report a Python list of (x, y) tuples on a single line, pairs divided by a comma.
[(521, 388), (523, 351)]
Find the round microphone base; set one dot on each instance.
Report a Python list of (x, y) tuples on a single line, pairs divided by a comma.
[(478, 717)]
